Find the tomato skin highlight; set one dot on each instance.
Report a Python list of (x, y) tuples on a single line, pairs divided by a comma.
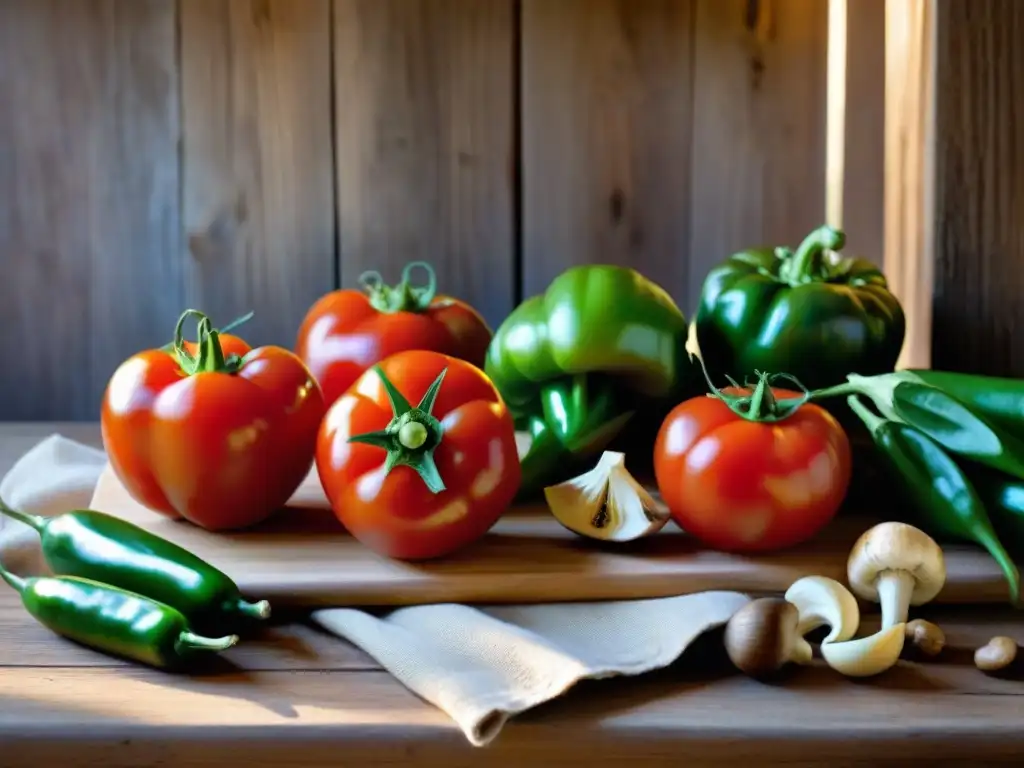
[(395, 513), (223, 450), (347, 331), (746, 486)]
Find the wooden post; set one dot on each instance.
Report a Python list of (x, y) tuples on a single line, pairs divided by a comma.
[(909, 151)]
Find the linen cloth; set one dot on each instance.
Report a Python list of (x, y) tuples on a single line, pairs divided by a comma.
[(481, 666)]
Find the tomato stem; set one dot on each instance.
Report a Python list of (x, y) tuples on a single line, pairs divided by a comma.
[(169, 346), (211, 354), (761, 405), (412, 434), (404, 297)]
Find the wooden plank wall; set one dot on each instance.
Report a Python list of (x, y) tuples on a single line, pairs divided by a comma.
[(253, 154), (978, 202)]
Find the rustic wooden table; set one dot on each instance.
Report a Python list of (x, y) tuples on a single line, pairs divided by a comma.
[(300, 698)]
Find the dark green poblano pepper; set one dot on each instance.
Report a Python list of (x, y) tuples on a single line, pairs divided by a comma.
[(817, 318)]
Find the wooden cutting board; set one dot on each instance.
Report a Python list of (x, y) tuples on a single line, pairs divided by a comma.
[(303, 556)]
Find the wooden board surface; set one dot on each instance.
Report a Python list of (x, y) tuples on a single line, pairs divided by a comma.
[(295, 697), (302, 556)]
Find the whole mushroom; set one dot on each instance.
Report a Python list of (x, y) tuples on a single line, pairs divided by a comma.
[(896, 565), (762, 637)]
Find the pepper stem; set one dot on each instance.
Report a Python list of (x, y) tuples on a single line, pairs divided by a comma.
[(761, 405), (806, 264), (259, 611), (404, 297), (16, 583), (189, 641), (211, 355), (32, 521), (872, 421), (412, 434)]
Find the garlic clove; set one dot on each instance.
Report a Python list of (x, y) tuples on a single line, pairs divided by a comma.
[(866, 656), (606, 503), (821, 602)]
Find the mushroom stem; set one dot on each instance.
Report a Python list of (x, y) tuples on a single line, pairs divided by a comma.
[(895, 589), (801, 652)]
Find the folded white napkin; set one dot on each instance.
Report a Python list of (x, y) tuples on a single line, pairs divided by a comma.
[(479, 665)]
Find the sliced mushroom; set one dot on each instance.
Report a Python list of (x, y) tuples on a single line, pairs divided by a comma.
[(761, 637), (866, 656), (926, 637), (822, 602), (999, 653), (896, 565), (606, 503)]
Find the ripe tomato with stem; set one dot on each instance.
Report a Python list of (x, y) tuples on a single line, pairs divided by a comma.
[(751, 469), (346, 331), (219, 436), (421, 481)]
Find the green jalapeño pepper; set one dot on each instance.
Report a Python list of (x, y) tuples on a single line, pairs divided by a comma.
[(1003, 497), (578, 361), (799, 312), (941, 493), (998, 399), (113, 620), (104, 548), (963, 431)]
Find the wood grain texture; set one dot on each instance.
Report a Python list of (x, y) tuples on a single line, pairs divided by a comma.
[(759, 127), (89, 215), (606, 117), (292, 697), (257, 159), (864, 134), (424, 93), (129, 717), (979, 187), (302, 556), (910, 89)]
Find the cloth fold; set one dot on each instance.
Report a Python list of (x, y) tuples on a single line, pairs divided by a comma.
[(481, 666)]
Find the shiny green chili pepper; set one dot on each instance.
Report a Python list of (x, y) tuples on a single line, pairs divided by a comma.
[(113, 620), (938, 414), (1003, 497), (941, 493), (94, 545), (998, 399)]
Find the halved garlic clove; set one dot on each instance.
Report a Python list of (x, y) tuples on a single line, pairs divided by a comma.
[(821, 602), (606, 503), (866, 656)]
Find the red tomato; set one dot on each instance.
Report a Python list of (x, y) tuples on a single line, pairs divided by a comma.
[(224, 446), (466, 434), (746, 486), (347, 331)]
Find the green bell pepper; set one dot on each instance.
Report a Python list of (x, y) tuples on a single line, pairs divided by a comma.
[(575, 363), (799, 312)]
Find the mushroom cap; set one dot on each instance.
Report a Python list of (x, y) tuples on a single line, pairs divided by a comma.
[(761, 636), (896, 547)]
